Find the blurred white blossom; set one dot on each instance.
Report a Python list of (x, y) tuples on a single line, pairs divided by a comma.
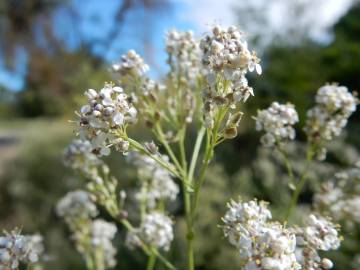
[(16, 248), (326, 120), (156, 230), (277, 121), (157, 183), (76, 205)]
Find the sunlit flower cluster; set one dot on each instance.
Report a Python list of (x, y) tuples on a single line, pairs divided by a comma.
[(16, 248), (227, 60), (326, 120), (277, 121), (340, 198), (262, 244), (107, 112), (156, 230), (157, 183)]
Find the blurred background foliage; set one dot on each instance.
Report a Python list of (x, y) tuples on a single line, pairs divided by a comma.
[(34, 128)]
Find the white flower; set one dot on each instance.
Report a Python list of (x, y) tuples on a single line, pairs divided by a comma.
[(79, 155), (227, 60), (16, 248), (102, 233), (334, 105), (262, 244), (340, 198), (184, 56), (321, 233), (277, 121), (157, 183), (106, 112), (130, 64), (156, 230), (318, 234), (76, 205)]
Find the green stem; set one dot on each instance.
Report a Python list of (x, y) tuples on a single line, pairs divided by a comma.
[(161, 162), (288, 165), (148, 250), (187, 202), (182, 149), (206, 161), (151, 262), (209, 150), (195, 154), (300, 185), (162, 139)]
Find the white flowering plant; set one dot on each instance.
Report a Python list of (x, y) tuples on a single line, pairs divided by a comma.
[(203, 93)]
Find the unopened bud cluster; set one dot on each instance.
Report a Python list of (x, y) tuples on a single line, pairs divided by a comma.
[(277, 121)]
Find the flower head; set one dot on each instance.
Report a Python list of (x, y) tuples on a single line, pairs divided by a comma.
[(277, 121), (76, 205), (130, 64), (156, 230), (326, 120), (16, 248), (262, 244), (107, 112)]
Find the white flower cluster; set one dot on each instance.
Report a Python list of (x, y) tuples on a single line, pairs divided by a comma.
[(157, 183), (318, 234), (340, 198), (227, 59), (130, 64), (321, 233), (76, 205), (102, 233), (184, 55), (262, 244), (79, 156), (156, 230), (90, 236), (334, 105), (277, 121), (107, 111), (16, 248)]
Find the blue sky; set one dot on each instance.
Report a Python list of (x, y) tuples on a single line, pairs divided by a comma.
[(96, 18)]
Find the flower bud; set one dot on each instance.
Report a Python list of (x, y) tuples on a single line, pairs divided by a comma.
[(235, 118), (230, 132), (327, 264)]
